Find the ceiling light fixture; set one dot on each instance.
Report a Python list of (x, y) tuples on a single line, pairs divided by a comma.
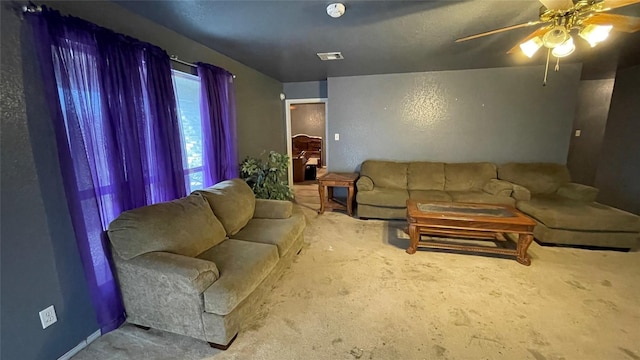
[(336, 10), (564, 49), (532, 46), (556, 36), (560, 17), (595, 34)]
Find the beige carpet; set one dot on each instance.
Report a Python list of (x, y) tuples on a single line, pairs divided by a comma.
[(353, 293)]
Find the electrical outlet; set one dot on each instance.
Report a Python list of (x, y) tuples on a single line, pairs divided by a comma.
[(48, 317)]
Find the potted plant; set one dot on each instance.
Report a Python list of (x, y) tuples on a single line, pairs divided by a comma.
[(267, 177)]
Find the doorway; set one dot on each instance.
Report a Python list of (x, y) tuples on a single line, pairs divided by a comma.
[(306, 122)]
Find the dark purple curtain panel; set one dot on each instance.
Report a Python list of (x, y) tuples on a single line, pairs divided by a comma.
[(218, 112), (114, 115)]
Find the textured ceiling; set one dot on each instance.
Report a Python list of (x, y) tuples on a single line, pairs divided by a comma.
[(281, 38)]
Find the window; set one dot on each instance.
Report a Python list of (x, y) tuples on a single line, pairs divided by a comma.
[(187, 89)]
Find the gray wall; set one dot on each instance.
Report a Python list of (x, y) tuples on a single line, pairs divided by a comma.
[(308, 119), (306, 89), (259, 108), (618, 176), (497, 115), (592, 109), (40, 261), (39, 257)]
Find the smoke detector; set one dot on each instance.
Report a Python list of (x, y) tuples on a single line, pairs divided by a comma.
[(335, 10)]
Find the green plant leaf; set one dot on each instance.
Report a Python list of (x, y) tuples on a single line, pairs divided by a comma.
[(267, 176)]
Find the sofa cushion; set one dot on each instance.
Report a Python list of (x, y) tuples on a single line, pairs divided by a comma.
[(468, 176), (561, 213), (539, 178), (233, 202), (184, 226), (273, 209), (578, 192), (478, 196), (386, 174), (279, 232), (243, 266), (498, 187), (383, 197), (422, 175), (429, 195)]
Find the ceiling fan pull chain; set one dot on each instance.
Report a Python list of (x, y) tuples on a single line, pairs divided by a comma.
[(557, 68), (546, 68)]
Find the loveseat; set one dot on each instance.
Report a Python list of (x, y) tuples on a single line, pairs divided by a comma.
[(566, 212), (199, 265), (384, 186)]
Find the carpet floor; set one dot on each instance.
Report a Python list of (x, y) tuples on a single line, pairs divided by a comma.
[(353, 293)]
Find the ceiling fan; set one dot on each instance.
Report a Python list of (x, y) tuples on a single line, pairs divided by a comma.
[(560, 17)]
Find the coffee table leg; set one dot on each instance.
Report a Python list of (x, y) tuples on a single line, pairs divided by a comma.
[(524, 240), (414, 237)]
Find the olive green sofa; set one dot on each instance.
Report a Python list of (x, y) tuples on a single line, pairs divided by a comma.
[(566, 212), (200, 265), (384, 186)]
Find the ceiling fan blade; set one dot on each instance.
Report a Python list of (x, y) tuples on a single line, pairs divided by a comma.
[(557, 4), (512, 27), (538, 32), (614, 4), (620, 22)]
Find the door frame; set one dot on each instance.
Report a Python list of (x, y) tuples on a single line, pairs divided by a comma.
[(287, 105)]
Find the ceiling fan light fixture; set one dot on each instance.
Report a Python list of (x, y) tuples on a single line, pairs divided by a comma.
[(530, 47), (564, 49), (556, 36), (595, 34)]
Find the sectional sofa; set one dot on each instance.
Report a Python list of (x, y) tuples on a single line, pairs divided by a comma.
[(199, 265), (565, 212), (384, 186)]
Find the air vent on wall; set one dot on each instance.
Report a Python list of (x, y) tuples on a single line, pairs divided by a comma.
[(337, 55)]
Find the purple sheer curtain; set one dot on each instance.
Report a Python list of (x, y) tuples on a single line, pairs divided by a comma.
[(113, 111), (218, 112)]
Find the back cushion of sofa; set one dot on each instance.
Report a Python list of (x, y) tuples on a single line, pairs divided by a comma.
[(539, 178), (233, 202), (424, 175), (184, 226), (385, 173), (468, 176)]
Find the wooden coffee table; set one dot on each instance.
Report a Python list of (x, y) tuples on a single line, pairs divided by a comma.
[(470, 221)]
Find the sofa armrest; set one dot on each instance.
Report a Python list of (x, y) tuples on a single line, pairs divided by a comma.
[(578, 192), (498, 187), (520, 193), (170, 271), (273, 209), (364, 183)]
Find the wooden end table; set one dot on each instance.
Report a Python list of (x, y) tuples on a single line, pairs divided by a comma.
[(331, 180), (471, 221)]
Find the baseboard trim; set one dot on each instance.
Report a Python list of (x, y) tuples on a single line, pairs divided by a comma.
[(83, 344)]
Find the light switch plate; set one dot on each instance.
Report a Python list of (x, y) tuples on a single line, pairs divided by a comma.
[(337, 137), (578, 132)]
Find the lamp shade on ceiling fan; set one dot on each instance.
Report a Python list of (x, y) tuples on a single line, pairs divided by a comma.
[(595, 34), (555, 37), (564, 49), (532, 46)]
